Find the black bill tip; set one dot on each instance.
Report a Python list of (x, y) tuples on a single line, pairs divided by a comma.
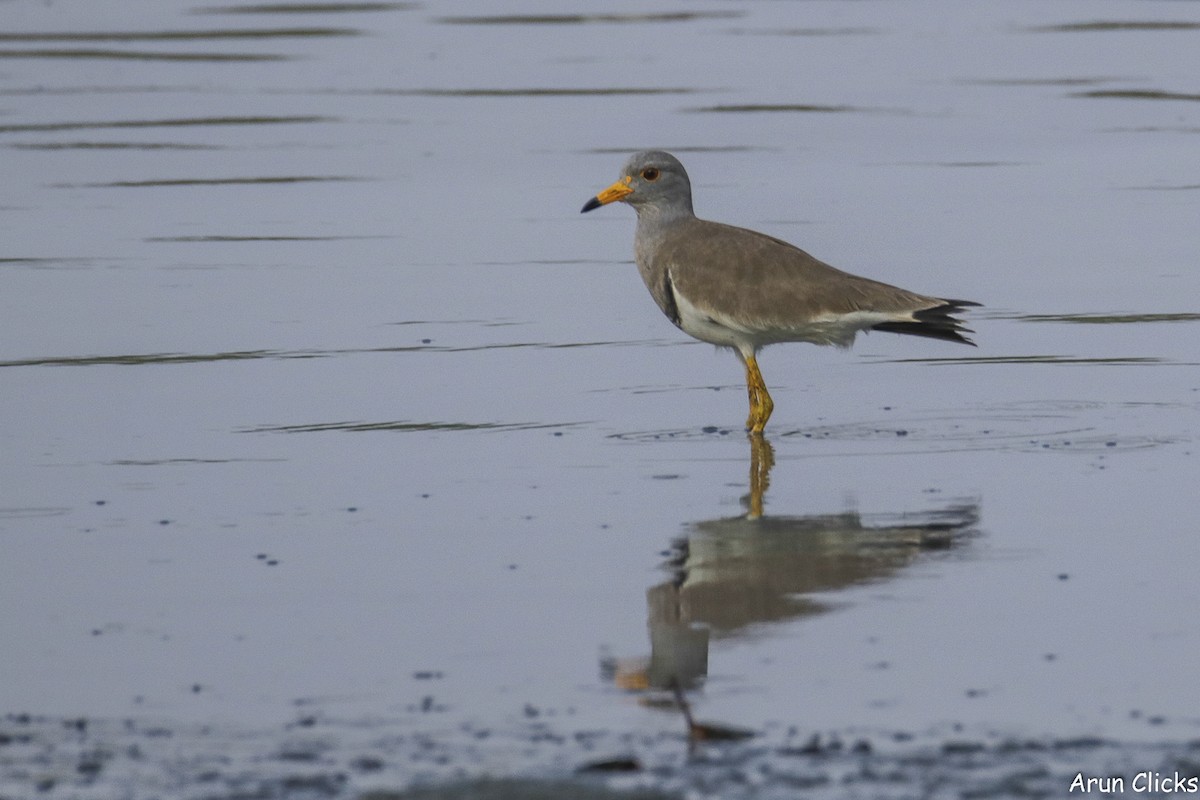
[(590, 204)]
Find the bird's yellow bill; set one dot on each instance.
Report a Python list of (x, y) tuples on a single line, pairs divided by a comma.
[(610, 195)]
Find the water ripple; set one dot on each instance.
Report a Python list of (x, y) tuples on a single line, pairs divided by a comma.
[(406, 426), (577, 19), (180, 122)]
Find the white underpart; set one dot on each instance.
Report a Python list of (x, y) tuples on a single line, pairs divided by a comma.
[(748, 337)]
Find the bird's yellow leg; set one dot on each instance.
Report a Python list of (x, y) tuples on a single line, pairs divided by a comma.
[(761, 404), (753, 396)]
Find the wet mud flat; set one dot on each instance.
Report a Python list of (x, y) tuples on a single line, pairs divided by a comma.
[(541, 754)]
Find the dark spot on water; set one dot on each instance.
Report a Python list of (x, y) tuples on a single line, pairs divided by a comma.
[(1062, 576), (427, 674), (352, 509), (1079, 743), (367, 764), (619, 764), (164, 522), (101, 502)]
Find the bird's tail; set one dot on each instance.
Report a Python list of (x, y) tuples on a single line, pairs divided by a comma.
[(937, 322)]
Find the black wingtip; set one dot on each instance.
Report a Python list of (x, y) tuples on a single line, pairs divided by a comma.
[(590, 204), (938, 322)]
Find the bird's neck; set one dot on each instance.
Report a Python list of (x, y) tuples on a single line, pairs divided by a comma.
[(658, 215)]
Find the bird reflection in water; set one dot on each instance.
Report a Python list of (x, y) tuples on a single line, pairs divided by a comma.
[(728, 574)]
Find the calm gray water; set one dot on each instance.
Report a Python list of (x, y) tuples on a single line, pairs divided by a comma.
[(337, 444)]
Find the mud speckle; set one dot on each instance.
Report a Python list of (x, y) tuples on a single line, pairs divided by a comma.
[(398, 759)]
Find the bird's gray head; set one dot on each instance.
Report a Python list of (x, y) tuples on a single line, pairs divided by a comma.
[(653, 182)]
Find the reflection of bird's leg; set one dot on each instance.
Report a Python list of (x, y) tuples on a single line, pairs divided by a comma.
[(761, 404), (692, 728), (762, 458)]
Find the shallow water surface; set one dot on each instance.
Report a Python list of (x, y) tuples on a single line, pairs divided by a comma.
[(340, 453)]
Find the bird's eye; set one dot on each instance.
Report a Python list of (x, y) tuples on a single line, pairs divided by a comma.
[(650, 174)]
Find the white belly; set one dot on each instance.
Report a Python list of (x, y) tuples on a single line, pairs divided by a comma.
[(709, 327), (749, 335)]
